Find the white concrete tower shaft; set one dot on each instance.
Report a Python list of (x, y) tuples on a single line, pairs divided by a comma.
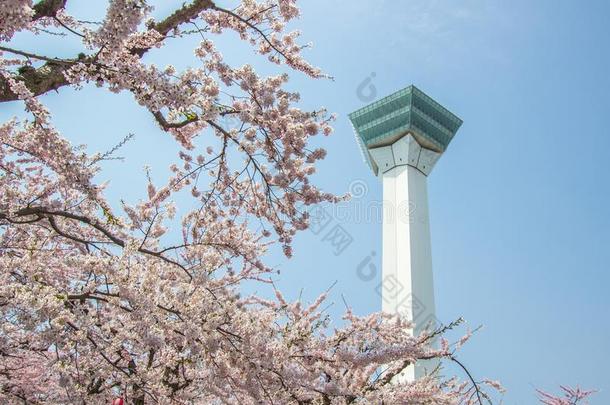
[(408, 285)]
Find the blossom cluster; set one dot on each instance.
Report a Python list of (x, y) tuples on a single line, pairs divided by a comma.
[(15, 15)]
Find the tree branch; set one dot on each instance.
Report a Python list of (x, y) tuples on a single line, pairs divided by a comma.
[(39, 212), (48, 8), (51, 76), (166, 125), (183, 15), (255, 28), (35, 56)]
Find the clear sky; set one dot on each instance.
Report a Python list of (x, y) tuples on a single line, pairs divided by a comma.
[(518, 203)]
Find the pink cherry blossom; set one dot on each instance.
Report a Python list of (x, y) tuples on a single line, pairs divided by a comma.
[(571, 396)]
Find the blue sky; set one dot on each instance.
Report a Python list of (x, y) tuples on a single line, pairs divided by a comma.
[(519, 202)]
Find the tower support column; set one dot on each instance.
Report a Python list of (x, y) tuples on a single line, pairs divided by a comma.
[(407, 286), (407, 256)]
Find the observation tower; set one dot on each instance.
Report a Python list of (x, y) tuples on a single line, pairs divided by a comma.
[(402, 136)]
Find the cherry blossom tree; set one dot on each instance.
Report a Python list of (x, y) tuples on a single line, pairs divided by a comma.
[(100, 303)]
